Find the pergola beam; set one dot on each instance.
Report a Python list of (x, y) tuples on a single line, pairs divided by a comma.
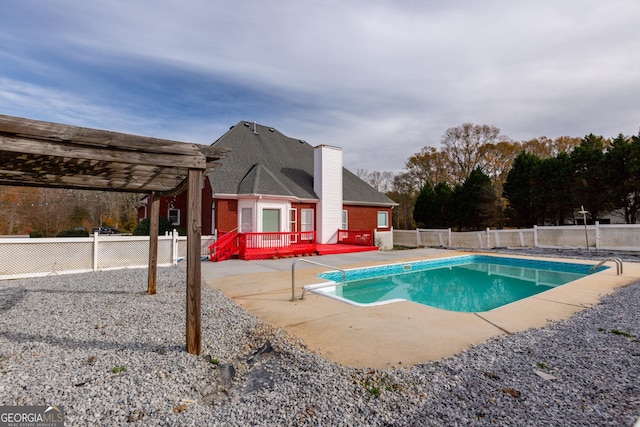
[(154, 225), (44, 154), (194, 234)]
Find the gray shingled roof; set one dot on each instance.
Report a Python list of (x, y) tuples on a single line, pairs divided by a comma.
[(270, 163)]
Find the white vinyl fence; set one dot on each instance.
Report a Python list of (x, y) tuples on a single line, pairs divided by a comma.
[(26, 257), (615, 237)]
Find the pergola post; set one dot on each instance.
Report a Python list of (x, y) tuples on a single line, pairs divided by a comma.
[(154, 221), (194, 231)]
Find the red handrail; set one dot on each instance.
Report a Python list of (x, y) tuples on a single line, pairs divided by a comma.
[(225, 247), (356, 237)]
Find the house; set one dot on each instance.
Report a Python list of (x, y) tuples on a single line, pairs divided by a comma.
[(271, 183)]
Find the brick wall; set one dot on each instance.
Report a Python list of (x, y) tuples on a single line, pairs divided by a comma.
[(226, 214), (365, 217)]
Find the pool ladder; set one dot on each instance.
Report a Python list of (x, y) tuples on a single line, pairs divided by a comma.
[(305, 289), (618, 262)]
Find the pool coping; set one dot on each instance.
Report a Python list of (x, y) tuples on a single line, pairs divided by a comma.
[(402, 333)]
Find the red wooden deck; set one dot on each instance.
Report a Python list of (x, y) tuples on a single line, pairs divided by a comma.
[(341, 248), (284, 244)]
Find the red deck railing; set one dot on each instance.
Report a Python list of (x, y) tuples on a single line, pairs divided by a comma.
[(356, 237), (277, 244), (225, 247)]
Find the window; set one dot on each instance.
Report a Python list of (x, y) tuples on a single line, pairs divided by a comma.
[(246, 220), (383, 219), (307, 220), (307, 223), (174, 216), (293, 220), (270, 220), (345, 220)]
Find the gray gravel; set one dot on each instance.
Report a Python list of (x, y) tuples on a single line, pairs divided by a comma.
[(112, 355)]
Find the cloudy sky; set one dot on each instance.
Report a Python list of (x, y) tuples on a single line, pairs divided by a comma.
[(381, 79)]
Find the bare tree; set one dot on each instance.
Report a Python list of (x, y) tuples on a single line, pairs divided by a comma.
[(428, 166), (462, 146), (381, 181)]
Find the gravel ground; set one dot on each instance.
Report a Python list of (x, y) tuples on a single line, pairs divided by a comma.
[(97, 345)]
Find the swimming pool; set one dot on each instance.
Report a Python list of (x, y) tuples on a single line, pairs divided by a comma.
[(470, 283)]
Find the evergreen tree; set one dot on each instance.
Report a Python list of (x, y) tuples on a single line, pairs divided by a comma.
[(592, 186), (623, 163), (476, 202), (521, 190)]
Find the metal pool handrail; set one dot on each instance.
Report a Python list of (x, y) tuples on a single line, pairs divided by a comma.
[(618, 262), (293, 276)]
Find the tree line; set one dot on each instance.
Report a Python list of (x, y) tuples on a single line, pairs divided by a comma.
[(47, 211), (480, 178)]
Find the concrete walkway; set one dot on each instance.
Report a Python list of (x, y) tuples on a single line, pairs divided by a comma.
[(402, 333)]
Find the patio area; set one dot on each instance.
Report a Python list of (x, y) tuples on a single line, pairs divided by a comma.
[(402, 333)]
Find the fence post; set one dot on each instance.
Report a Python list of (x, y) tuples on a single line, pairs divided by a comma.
[(174, 247), (535, 236), (597, 223), (497, 238), (418, 241), (488, 237), (95, 251), (449, 232)]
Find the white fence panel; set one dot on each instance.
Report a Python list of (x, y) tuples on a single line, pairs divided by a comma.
[(26, 257), (571, 236), (624, 237), (617, 237)]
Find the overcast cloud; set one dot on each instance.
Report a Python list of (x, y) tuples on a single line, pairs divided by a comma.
[(381, 79)]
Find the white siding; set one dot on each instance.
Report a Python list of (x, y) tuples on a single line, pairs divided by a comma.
[(327, 183)]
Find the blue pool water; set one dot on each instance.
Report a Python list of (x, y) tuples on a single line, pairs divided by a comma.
[(470, 283)]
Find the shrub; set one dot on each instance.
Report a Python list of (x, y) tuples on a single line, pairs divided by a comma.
[(76, 232), (142, 229)]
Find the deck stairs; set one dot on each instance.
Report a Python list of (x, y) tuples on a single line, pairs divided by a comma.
[(225, 247)]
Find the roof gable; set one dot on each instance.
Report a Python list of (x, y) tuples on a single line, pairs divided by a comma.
[(264, 161), (260, 180)]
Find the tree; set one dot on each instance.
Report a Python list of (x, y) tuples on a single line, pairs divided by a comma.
[(462, 146), (428, 166), (433, 207), (554, 192), (144, 226), (497, 159), (404, 194), (425, 206), (520, 190), (542, 147), (545, 148), (593, 182), (476, 202), (623, 163)]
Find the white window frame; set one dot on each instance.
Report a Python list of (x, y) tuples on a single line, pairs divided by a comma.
[(385, 223), (293, 220), (345, 220), (246, 227), (177, 216), (307, 226)]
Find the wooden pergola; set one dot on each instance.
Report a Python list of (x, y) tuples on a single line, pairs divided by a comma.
[(43, 154)]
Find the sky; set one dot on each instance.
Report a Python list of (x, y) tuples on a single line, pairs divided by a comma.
[(380, 79)]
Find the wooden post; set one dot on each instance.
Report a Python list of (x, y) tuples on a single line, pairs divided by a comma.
[(194, 231), (154, 221)]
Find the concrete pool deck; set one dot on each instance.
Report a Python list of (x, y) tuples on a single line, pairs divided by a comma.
[(402, 333)]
